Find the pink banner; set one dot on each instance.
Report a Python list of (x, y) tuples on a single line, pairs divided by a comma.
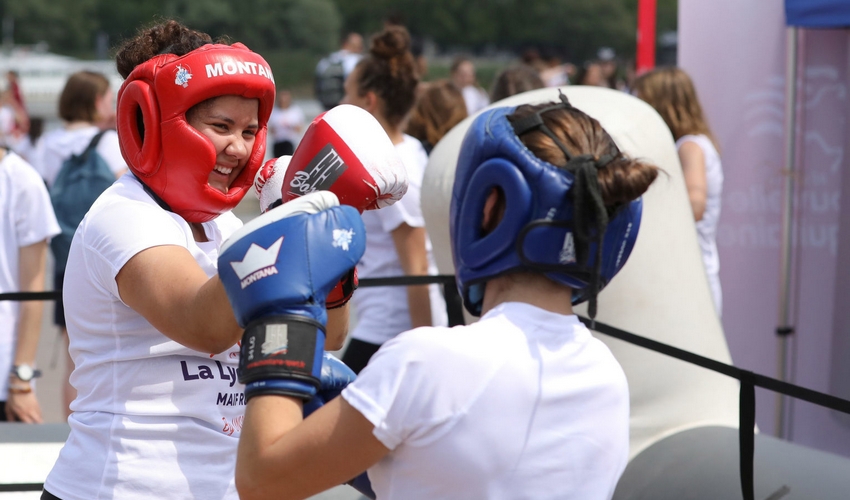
[(736, 53)]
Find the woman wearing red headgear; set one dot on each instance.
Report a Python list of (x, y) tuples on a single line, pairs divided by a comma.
[(152, 335)]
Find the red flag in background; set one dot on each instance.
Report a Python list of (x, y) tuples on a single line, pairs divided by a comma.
[(645, 57)]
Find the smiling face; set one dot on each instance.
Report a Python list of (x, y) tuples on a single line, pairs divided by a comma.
[(230, 122)]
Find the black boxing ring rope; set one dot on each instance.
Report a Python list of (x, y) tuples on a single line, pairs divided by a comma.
[(748, 379), (747, 398)]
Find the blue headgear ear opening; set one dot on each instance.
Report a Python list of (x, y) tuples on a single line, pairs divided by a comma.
[(475, 248)]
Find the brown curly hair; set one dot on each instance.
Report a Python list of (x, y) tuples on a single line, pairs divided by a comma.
[(389, 71), (167, 37)]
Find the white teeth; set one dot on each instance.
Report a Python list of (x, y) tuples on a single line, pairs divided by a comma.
[(223, 170)]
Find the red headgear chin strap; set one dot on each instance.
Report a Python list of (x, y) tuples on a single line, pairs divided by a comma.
[(170, 156)]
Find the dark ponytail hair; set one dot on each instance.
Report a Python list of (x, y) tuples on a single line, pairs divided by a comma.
[(389, 71), (621, 180)]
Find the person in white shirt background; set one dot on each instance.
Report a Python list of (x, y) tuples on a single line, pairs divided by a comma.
[(384, 83), (334, 69), (27, 223), (86, 101), (286, 124), (462, 74), (672, 93)]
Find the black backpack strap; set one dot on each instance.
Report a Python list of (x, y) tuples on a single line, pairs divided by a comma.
[(93, 143)]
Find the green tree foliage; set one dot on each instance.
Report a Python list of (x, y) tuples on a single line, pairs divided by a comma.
[(120, 20), (574, 28), (70, 25), (314, 25)]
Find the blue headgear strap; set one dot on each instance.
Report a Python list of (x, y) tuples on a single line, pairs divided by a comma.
[(587, 197), (540, 228)]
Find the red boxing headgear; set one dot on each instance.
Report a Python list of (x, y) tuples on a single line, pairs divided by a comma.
[(170, 156)]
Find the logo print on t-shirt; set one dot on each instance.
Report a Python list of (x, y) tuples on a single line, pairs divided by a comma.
[(234, 426)]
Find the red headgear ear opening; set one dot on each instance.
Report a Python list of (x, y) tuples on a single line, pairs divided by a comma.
[(140, 149), (169, 156)]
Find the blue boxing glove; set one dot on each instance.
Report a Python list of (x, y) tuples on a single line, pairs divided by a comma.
[(335, 376), (277, 271)]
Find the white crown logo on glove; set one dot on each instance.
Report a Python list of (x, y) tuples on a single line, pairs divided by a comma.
[(258, 263)]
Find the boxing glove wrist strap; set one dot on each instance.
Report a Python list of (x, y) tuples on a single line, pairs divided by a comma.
[(292, 388), (282, 348)]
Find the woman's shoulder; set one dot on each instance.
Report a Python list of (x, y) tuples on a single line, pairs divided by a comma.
[(124, 216), (22, 182), (696, 144), (110, 134), (227, 223), (701, 140), (127, 200), (18, 168), (412, 152), (68, 140), (439, 344), (425, 339), (411, 144)]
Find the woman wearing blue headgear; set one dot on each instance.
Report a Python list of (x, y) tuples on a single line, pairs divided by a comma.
[(525, 403)]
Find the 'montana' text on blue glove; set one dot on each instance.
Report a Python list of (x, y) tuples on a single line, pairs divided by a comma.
[(277, 271)]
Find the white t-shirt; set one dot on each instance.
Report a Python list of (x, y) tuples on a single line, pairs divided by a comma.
[(349, 61), (152, 418), (58, 145), (7, 124), (707, 227), (26, 217), (286, 124), (382, 312), (555, 76), (524, 403), (475, 98)]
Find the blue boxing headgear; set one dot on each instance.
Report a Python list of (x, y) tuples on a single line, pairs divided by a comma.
[(547, 226)]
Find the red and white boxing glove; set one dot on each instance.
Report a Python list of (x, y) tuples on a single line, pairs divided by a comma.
[(267, 187), (346, 151), (268, 182), (341, 293)]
